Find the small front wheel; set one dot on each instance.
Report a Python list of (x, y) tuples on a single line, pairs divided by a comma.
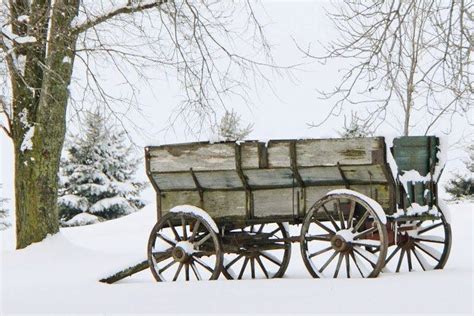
[(184, 246), (344, 235)]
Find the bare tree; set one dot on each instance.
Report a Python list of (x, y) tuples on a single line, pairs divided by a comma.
[(410, 57), (355, 127), (41, 41)]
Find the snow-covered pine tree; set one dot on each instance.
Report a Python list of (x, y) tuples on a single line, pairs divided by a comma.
[(357, 127), (96, 175), (230, 128), (4, 223), (462, 185)]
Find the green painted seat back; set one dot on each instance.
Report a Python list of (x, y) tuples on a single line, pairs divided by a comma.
[(416, 153)]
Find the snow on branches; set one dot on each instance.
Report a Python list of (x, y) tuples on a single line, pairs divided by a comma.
[(96, 176)]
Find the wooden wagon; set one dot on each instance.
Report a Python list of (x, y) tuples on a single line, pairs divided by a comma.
[(226, 208)]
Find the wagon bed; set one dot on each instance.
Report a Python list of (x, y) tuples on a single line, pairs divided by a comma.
[(250, 182)]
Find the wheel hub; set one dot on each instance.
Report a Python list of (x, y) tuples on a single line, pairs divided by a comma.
[(341, 240), (183, 251)]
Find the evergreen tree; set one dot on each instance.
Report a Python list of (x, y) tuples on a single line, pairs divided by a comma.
[(4, 223), (96, 175), (230, 128), (357, 127), (462, 186)]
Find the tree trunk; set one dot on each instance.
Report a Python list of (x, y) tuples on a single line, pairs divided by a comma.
[(36, 167)]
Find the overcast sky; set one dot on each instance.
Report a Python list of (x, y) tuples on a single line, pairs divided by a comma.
[(280, 111)]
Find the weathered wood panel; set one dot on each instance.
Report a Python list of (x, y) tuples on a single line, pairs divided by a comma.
[(274, 202), (324, 152), (219, 180), (172, 199), (364, 173), (216, 203), (279, 154), (269, 177), (312, 175), (225, 203), (249, 154), (173, 181), (198, 156)]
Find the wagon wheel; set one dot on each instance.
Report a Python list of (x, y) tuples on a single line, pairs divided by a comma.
[(342, 232), (184, 246), (264, 252), (420, 245)]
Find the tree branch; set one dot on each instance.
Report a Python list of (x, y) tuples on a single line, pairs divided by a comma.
[(123, 10)]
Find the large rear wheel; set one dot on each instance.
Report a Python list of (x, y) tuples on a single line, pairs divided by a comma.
[(344, 236)]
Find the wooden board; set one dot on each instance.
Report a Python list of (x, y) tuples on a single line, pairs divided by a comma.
[(329, 152), (274, 202), (217, 203), (198, 156)]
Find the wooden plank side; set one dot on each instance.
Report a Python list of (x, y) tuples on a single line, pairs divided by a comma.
[(172, 199), (199, 156), (269, 177), (174, 181), (372, 173), (274, 202), (219, 179), (328, 152), (249, 155), (225, 203), (216, 203), (279, 154)]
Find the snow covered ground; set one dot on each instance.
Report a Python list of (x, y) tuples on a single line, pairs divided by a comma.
[(60, 275)]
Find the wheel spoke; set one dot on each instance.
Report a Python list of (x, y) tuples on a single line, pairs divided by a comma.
[(409, 260), (273, 232), (233, 261), (178, 271), (432, 239), (203, 264), (348, 265), (166, 267), (317, 253), (186, 270), (339, 211), (244, 265), (328, 262), (424, 230), (400, 260), (183, 223), (392, 254), (252, 267), (166, 239), (323, 226), (370, 257), (203, 240), (422, 261), (365, 232), (339, 261), (260, 228), (195, 230), (430, 251), (175, 233), (333, 222), (367, 242), (351, 214), (260, 263), (361, 221), (271, 258), (196, 271), (356, 263)]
